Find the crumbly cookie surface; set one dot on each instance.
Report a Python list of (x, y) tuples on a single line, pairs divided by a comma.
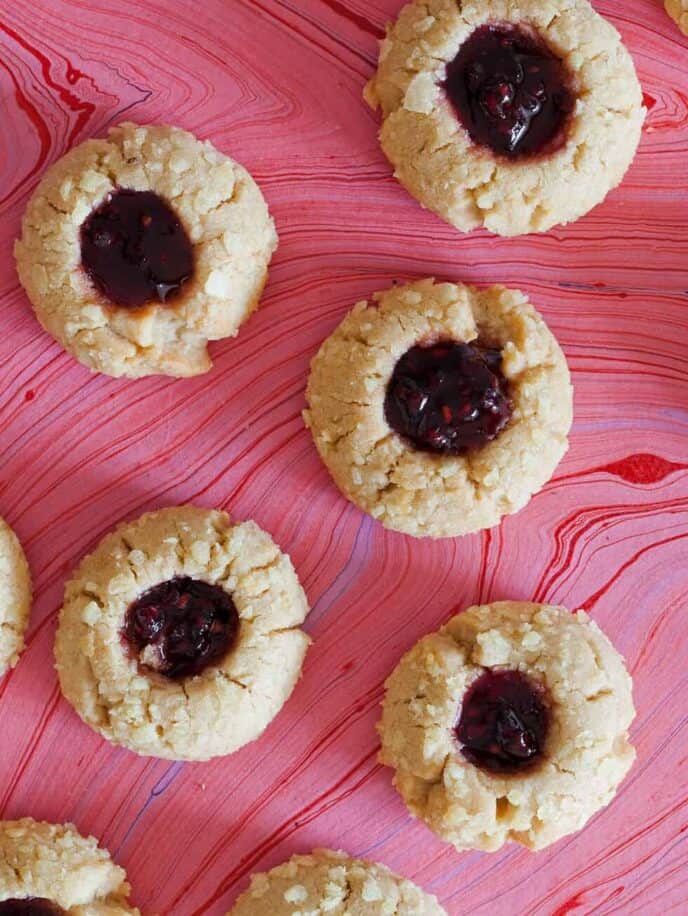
[(587, 753), (678, 10), (229, 703), (333, 883), (418, 493), (15, 597), (54, 862), (467, 185), (225, 217)]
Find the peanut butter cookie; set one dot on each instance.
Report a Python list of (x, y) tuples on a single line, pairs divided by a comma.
[(678, 10), (50, 870), (15, 597), (509, 724), (439, 408), (180, 634), (139, 249), (333, 883), (511, 116)]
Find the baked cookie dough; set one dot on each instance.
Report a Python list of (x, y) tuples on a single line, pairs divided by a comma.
[(511, 116), (678, 10), (179, 636), (474, 375), (509, 724), (50, 869), (139, 249), (15, 597), (335, 884)]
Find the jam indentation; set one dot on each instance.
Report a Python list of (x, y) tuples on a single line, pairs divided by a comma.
[(510, 91), (30, 906), (135, 249), (180, 627), (503, 723), (448, 397)]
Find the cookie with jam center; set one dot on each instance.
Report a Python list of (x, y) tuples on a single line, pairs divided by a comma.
[(15, 597), (180, 635), (509, 724), (333, 882), (439, 408), (139, 249), (510, 117), (678, 10), (51, 870)]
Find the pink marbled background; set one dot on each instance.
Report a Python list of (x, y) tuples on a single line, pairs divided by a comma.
[(277, 84)]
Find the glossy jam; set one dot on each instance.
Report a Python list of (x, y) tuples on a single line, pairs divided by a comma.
[(503, 723), (510, 92), (30, 906), (182, 626), (448, 397), (135, 250)]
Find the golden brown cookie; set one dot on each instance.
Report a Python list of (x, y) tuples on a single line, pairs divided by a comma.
[(15, 597), (511, 116), (509, 724), (180, 634), (139, 249), (439, 408), (678, 10), (50, 869), (332, 883)]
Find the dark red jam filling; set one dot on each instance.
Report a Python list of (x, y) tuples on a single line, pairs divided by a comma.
[(510, 91), (135, 250), (448, 397), (30, 906), (182, 626), (503, 722)]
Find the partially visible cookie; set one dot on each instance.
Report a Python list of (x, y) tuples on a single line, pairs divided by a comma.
[(678, 10), (50, 869), (509, 724), (335, 884), (180, 634), (439, 408), (508, 116), (139, 249), (15, 597)]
